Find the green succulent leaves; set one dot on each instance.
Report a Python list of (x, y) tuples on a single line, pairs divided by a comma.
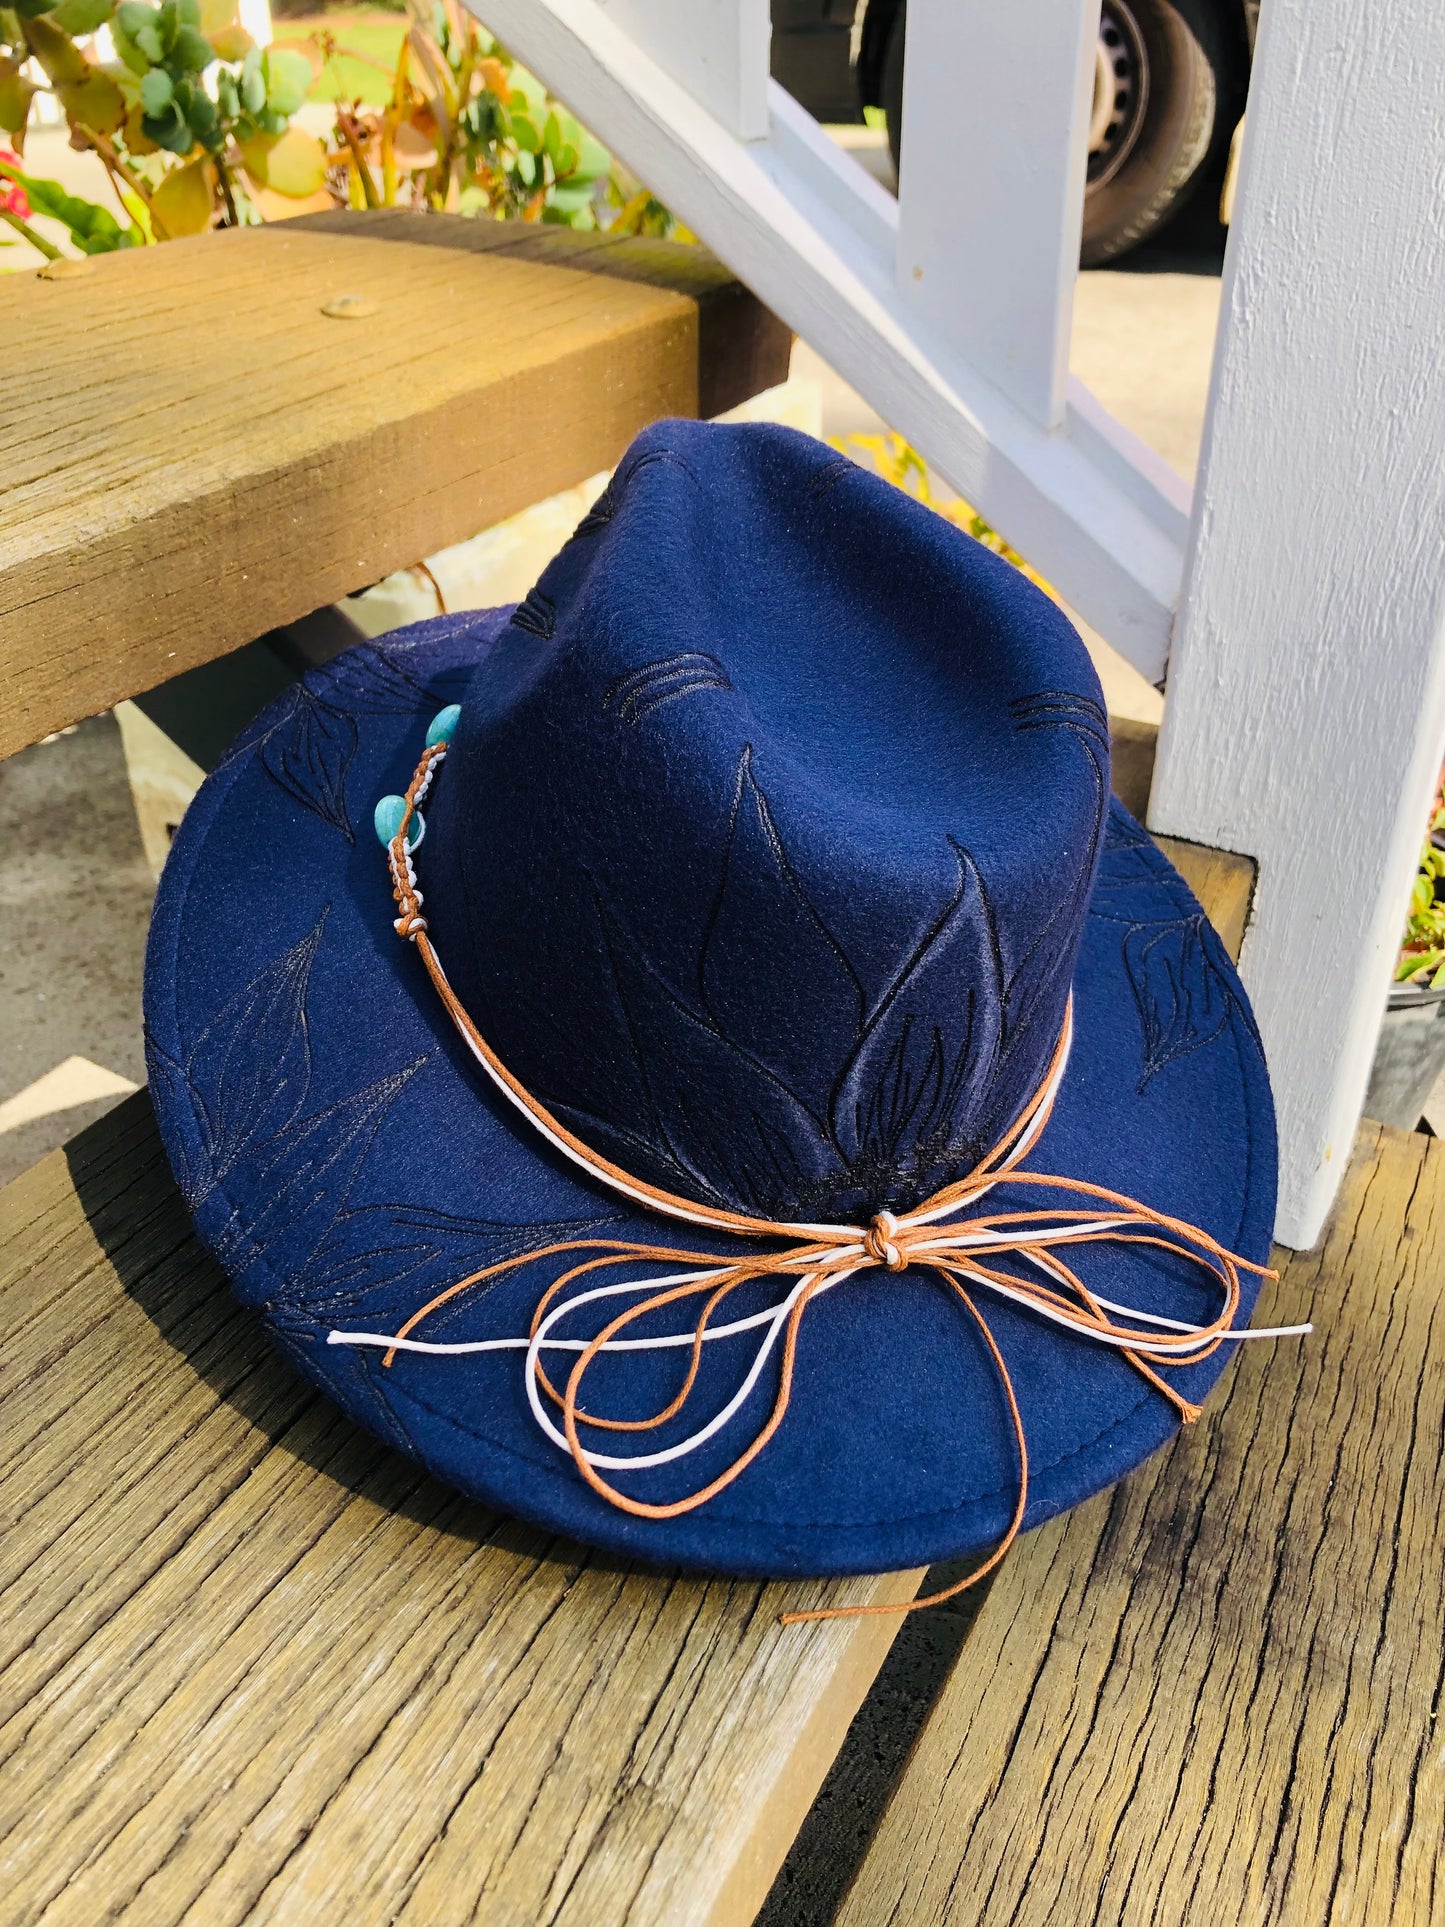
[(1422, 953), (82, 16), (164, 45), (195, 124)]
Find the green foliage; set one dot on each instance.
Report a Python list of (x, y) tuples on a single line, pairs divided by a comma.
[(77, 17), (464, 127), (261, 98), (1422, 953), (637, 210), (194, 124), (165, 48), (93, 229), (173, 121)]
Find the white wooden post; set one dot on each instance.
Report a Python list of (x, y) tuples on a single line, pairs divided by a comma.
[(996, 103), (717, 49), (1305, 718)]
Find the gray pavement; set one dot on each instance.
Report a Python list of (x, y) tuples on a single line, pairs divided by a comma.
[(75, 898)]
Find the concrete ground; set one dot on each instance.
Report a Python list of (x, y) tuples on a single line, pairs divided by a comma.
[(75, 899)]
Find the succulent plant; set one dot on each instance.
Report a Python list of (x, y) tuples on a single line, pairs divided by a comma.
[(196, 126)]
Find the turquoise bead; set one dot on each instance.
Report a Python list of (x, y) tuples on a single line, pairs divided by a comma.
[(442, 725), (387, 818)]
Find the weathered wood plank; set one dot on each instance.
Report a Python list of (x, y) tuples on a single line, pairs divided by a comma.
[(256, 1667), (202, 454), (1214, 1693)]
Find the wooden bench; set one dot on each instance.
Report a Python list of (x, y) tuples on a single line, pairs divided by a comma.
[(204, 453)]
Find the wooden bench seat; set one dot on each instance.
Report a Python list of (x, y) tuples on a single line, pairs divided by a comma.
[(1214, 1693)]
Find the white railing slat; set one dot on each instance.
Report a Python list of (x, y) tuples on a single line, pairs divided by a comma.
[(996, 103), (1305, 719), (812, 239), (717, 49)]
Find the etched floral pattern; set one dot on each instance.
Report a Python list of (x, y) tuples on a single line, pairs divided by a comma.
[(907, 1093), (247, 1081), (1184, 986), (307, 739)]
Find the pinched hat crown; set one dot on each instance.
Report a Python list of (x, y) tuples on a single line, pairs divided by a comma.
[(767, 837)]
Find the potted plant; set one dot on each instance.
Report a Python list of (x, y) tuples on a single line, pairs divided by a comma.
[(1411, 1052)]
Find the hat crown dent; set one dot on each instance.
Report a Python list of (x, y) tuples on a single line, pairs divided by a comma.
[(769, 828)]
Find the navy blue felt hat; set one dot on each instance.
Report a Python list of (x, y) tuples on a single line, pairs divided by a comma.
[(772, 839)]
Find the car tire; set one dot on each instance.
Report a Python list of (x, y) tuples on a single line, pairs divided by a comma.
[(1188, 89), (1184, 87)]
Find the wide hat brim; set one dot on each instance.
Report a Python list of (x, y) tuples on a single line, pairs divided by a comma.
[(346, 1160)]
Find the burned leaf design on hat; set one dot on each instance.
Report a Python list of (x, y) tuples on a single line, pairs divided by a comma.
[(637, 694), (1082, 717), (378, 1255), (307, 739), (536, 615), (879, 1122), (1177, 967), (247, 1079)]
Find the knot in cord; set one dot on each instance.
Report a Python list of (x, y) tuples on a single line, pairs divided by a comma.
[(878, 1242)]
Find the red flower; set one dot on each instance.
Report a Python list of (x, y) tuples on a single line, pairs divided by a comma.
[(12, 194)]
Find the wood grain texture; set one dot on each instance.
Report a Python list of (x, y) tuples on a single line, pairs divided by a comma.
[(256, 1667), (202, 454), (1213, 1694)]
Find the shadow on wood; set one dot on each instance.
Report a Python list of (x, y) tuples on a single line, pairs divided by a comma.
[(1213, 1693)]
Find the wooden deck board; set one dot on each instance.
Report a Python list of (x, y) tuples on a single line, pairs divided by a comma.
[(1214, 1693), (203, 454), (256, 1667)]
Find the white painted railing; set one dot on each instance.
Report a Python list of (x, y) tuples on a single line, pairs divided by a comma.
[(1306, 712)]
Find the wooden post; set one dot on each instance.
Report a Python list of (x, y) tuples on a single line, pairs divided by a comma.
[(1306, 705), (991, 183)]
